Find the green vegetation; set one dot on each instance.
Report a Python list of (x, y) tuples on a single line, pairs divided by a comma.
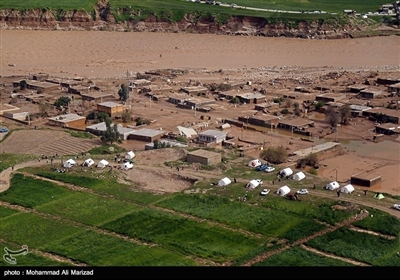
[(107, 150), (297, 256), (6, 212), (62, 101), (87, 5), (274, 154), (79, 134), (8, 160), (363, 247), (380, 222), (98, 249)]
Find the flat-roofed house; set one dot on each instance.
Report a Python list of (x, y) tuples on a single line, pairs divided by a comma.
[(204, 157), (111, 108), (388, 128), (252, 97), (68, 121), (265, 120), (99, 128), (195, 89), (330, 97), (383, 115), (370, 93), (395, 89), (298, 125), (41, 86), (212, 136), (146, 134), (357, 110)]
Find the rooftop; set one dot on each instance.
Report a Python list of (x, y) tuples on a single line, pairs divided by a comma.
[(204, 153), (147, 132), (110, 104), (212, 132), (67, 118)]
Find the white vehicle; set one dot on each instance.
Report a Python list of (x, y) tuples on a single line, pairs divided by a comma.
[(396, 206), (233, 5), (302, 191), (269, 169), (259, 181), (265, 192)]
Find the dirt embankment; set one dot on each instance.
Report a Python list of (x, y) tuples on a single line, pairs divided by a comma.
[(103, 19)]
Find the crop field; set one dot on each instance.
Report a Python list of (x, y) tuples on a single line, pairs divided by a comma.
[(363, 247), (297, 256), (380, 222)]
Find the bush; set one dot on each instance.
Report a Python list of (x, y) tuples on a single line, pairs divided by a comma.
[(310, 160), (275, 155)]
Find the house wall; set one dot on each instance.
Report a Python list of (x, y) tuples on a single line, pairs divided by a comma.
[(73, 124), (365, 182), (212, 160), (210, 139), (110, 110), (143, 137)]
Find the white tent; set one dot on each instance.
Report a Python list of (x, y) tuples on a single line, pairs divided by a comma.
[(254, 163), (88, 162), (282, 191), (332, 186), (286, 172), (224, 182), (102, 163), (299, 176), (347, 189), (69, 163), (130, 155), (127, 165), (252, 184)]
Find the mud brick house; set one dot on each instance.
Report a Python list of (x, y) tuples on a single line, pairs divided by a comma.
[(356, 88), (146, 134), (78, 89), (264, 120), (297, 125), (330, 97), (383, 115), (140, 83), (68, 121), (111, 108), (266, 106), (38, 86), (357, 110), (370, 93), (252, 97), (394, 89), (366, 179), (388, 128), (194, 90), (204, 157), (212, 136), (97, 96)]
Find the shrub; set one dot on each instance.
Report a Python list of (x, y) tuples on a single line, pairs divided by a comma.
[(275, 154)]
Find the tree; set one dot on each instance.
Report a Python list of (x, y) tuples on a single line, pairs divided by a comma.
[(274, 154), (235, 100), (345, 114), (43, 109), (62, 101), (22, 85), (126, 116), (310, 160), (331, 116), (102, 116), (111, 134), (123, 92), (297, 109), (319, 105)]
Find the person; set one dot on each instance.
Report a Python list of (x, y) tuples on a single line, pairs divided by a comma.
[(365, 192), (234, 180), (12, 168), (338, 193), (314, 187), (273, 182)]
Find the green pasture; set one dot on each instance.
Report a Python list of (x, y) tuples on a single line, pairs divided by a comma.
[(184, 235), (297, 256), (103, 250), (100, 181), (33, 230), (360, 246), (8, 160), (5, 212), (381, 222), (30, 259), (87, 208), (30, 192), (262, 220), (48, 4)]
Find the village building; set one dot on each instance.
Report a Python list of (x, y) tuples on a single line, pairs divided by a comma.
[(68, 121), (394, 89), (252, 97), (97, 96), (194, 90), (99, 128), (38, 86), (387, 128), (139, 83), (330, 97), (370, 93), (212, 136), (230, 94), (383, 115), (203, 157), (387, 81), (356, 88), (178, 98), (167, 142), (111, 108), (69, 83), (297, 125), (264, 120), (156, 88), (266, 106), (357, 110), (79, 89), (195, 102), (366, 179), (146, 134), (54, 80), (17, 114)]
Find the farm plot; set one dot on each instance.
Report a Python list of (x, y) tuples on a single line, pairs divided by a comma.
[(363, 247), (94, 248), (5, 212), (30, 259), (259, 220), (380, 222), (46, 142), (33, 230), (87, 208), (102, 182), (297, 256), (185, 236)]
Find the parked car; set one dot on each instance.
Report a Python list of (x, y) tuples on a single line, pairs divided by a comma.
[(3, 129), (265, 192), (396, 206), (302, 191), (269, 169), (262, 167)]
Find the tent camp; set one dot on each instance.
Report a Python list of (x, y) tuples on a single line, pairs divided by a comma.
[(224, 182), (282, 191), (299, 176), (127, 165), (130, 155), (254, 163), (286, 172), (69, 163), (332, 186), (252, 184), (88, 162), (379, 196), (102, 163), (347, 189)]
